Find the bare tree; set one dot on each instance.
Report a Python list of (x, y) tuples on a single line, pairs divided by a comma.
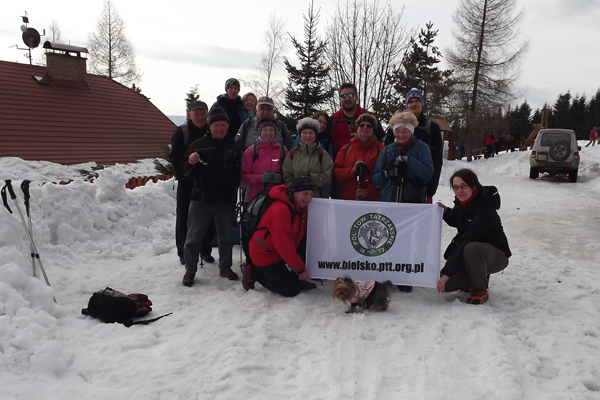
[(366, 41), (485, 59), (276, 40), (111, 53), (54, 32)]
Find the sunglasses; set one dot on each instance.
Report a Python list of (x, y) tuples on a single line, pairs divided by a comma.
[(347, 95), (464, 186), (365, 125)]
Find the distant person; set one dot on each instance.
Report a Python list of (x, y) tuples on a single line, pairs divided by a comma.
[(248, 133), (232, 104), (214, 163), (593, 136), (480, 248), (276, 262), (249, 106), (355, 163), (195, 127), (429, 133), (489, 144), (309, 157), (462, 151)]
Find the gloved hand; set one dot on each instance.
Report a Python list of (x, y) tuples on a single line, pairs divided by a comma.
[(266, 177), (401, 159), (391, 169), (277, 178)]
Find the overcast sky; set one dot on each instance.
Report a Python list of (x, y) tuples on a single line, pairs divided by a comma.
[(180, 43)]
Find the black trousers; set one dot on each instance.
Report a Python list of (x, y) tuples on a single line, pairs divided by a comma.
[(184, 193), (277, 278)]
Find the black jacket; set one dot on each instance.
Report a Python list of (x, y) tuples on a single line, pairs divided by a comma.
[(179, 147), (217, 177), (478, 222), (434, 140)]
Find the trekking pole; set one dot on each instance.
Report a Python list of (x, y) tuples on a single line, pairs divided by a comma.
[(25, 189), (13, 196)]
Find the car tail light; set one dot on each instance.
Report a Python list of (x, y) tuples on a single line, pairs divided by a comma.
[(576, 155), (533, 154)]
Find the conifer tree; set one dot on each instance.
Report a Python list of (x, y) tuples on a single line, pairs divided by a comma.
[(192, 95), (418, 70), (308, 86)]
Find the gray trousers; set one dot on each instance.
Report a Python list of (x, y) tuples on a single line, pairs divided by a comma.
[(199, 218), (480, 261)]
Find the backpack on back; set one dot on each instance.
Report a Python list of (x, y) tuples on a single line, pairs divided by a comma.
[(252, 215)]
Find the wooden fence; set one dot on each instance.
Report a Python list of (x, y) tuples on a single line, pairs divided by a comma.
[(132, 183)]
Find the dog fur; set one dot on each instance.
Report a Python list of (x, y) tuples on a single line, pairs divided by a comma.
[(379, 298)]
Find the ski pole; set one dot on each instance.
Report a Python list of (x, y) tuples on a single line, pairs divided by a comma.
[(25, 189), (13, 196)]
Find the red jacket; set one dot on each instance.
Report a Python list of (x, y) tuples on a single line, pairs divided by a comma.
[(282, 235), (490, 139), (341, 133), (343, 169)]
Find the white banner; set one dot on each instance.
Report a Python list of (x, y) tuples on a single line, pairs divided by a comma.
[(374, 240)]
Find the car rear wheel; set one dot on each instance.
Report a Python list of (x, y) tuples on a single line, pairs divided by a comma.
[(560, 150), (573, 176), (533, 173)]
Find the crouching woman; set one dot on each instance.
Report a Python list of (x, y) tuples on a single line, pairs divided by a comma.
[(480, 247)]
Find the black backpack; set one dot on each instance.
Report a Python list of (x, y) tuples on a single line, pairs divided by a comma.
[(252, 215), (111, 306)]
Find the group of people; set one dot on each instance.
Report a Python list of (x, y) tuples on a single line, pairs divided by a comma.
[(347, 156)]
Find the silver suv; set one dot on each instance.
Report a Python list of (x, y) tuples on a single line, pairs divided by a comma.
[(555, 151)]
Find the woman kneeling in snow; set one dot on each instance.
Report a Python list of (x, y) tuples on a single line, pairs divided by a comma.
[(480, 247)]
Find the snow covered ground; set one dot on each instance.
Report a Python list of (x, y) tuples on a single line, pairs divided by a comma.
[(538, 337)]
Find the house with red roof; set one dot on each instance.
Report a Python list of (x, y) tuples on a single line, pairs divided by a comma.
[(62, 114)]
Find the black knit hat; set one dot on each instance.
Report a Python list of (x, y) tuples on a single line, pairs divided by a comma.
[(302, 182), (217, 114), (232, 81)]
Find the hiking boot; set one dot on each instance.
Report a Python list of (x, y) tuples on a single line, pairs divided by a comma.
[(188, 279), (229, 274), (307, 285), (478, 297), (208, 258), (466, 289), (247, 281), (405, 289)]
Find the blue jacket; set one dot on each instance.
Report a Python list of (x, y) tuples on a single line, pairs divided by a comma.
[(417, 172)]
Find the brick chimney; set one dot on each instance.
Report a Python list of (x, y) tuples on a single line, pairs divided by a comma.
[(64, 66)]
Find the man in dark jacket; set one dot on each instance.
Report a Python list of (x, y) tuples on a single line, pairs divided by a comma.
[(232, 104), (214, 163), (429, 132), (192, 129)]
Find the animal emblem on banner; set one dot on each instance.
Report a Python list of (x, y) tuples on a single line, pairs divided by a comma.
[(372, 234)]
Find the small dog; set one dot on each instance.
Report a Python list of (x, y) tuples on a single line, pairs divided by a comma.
[(369, 294)]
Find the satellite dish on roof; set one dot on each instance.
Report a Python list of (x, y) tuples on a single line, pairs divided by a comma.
[(31, 38)]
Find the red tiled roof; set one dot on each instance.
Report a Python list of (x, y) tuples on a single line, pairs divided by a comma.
[(72, 122)]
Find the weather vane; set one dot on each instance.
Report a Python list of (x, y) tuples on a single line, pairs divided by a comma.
[(31, 37)]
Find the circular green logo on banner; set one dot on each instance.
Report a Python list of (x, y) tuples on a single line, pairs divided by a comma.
[(372, 234)]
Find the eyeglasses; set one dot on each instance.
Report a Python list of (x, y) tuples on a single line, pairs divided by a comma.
[(365, 125), (347, 95), (464, 186)]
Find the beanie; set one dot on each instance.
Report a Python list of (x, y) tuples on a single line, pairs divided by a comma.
[(217, 114), (266, 122), (302, 182), (232, 81), (415, 94), (308, 123), (368, 118)]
